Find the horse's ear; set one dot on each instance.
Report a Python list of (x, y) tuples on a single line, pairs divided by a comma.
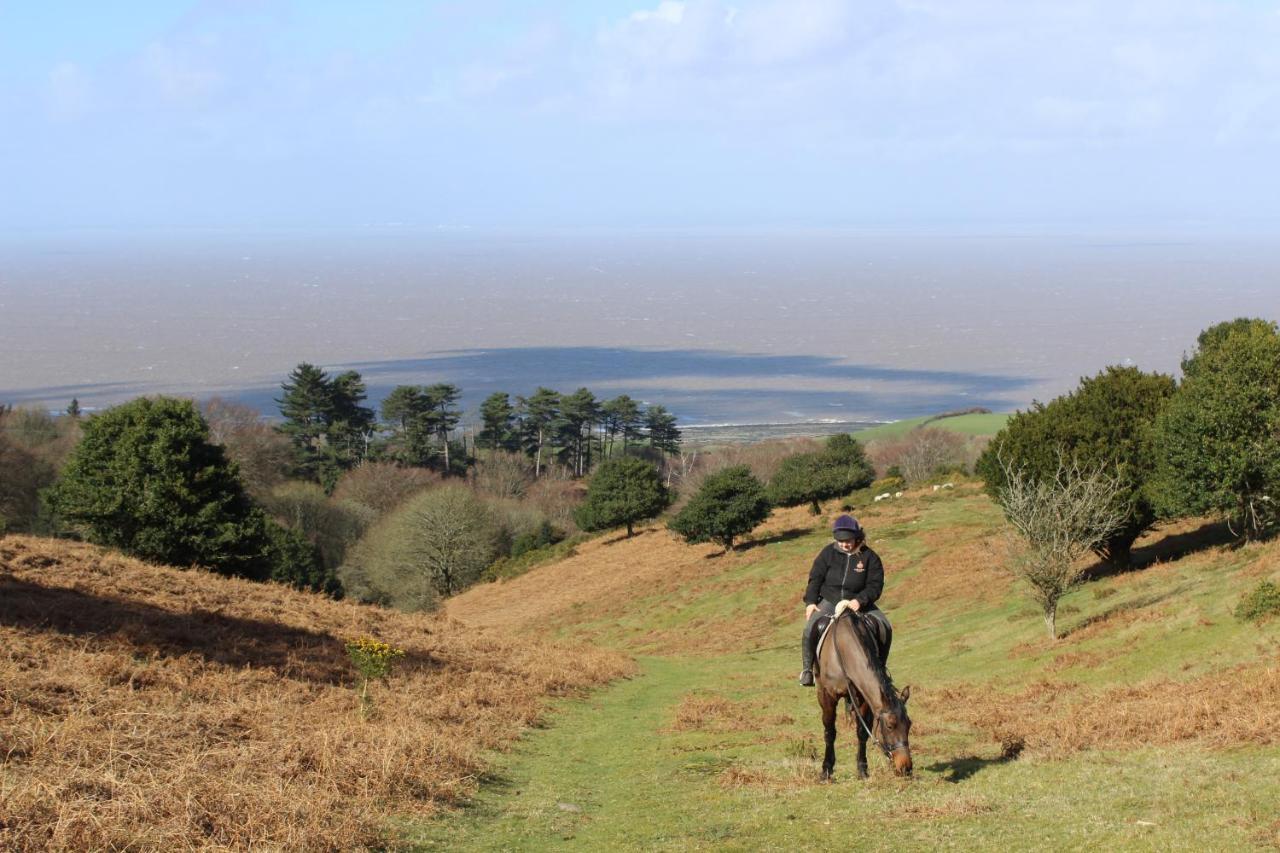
[(906, 693)]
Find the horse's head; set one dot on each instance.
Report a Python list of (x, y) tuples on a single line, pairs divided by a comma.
[(895, 732)]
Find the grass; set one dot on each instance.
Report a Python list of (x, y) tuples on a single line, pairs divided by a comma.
[(975, 424), (1154, 723)]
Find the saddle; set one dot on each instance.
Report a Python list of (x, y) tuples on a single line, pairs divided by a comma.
[(883, 634)]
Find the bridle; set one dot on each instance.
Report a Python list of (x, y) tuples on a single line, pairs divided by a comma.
[(901, 742)]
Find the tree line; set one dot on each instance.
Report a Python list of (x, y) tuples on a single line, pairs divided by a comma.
[(332, 429)]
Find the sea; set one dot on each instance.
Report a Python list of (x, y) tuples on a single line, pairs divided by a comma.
[(769, 327)]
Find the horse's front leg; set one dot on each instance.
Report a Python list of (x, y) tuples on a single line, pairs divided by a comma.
[(829, 704), (864, 714)]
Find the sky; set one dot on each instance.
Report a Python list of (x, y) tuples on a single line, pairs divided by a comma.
[(271, 114)]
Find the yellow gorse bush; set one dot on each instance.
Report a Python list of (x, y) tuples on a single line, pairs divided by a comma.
[(373, 658)]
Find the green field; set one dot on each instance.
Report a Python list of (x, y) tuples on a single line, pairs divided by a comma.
[(977, 424), (1145, 726)]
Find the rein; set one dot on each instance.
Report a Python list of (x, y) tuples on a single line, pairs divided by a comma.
[(885, 748)]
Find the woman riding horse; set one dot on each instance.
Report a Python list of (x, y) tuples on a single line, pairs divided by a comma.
[(845, 570)]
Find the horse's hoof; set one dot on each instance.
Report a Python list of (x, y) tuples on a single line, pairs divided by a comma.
[(862, 771), (825, 778)]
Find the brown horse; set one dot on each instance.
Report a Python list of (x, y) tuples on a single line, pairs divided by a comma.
[(850, 668)]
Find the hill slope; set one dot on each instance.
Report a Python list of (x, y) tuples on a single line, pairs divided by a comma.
[(145, 707), (1134, 729)]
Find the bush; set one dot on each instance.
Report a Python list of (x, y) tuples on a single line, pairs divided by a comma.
[(147, 480), (262, 455), (729, 504), (1261, 602), (331, 525), (436, 544), (623, 491), (839, 468), (1218, 450), (382, 486), (1107, 423)]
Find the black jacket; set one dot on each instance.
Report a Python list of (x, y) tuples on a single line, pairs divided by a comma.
[(836, 575)]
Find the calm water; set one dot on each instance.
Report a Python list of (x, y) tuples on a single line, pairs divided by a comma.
[(720, 328)]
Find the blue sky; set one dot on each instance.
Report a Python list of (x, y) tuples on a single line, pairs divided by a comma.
[(762, 113)]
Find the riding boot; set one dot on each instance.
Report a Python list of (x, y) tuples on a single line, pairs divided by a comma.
[(806, 657)]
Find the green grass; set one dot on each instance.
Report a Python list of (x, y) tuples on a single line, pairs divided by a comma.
[(611, 772), (980, 424)]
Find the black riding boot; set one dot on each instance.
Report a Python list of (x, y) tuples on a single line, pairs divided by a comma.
[(806, 655)]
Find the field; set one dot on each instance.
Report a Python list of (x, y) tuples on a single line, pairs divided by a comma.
[(1154, 723), (974, 424), (144, 707)]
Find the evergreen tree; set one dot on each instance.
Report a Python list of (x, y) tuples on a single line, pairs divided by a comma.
[(497, 416), (1219, 438), (621, 416), (838, 469), (444, 415), (146, 479), (578, 413), (306, 404), (73, 410), (408, 413), (664, 435), (538, 416), (730, 503), (351, 425), (622, 491), (1106, 424)]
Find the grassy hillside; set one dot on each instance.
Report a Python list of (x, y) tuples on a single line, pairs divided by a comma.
[(1154, 723), (976, 424), (143, 707)]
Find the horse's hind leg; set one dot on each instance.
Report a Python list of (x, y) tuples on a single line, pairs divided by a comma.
[(829, 705), (864, 714)]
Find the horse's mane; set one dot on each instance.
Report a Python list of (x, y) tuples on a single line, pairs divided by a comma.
[(870, 646)]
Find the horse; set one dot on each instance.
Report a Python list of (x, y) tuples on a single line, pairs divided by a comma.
[(850, 668)]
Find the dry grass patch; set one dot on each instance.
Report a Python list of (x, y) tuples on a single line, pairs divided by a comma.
[(706, 712), (143, 707), (1237, 707)]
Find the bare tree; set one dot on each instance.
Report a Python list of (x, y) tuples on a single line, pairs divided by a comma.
[(1057, 521), (929, 450)]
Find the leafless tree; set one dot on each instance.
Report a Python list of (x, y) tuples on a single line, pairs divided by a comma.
[(1057, 521)]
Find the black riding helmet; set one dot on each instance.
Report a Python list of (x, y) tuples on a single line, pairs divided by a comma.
[(847, 528)]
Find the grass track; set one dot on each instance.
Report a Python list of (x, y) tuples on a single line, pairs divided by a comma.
[(977, 424)]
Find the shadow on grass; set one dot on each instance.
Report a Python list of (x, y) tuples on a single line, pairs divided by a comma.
[(1175, 546), (958, 769), (154, 631), (782, 536)]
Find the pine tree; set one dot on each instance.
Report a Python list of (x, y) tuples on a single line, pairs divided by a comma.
[(306, 404), (578, 413), (538, 416), (664, 435), (730, 503), (497, 415)]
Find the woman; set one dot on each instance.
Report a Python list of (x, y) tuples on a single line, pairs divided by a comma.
[(844, 570)]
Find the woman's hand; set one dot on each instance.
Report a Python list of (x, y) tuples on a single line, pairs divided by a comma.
[(852, 604), (808, 611)]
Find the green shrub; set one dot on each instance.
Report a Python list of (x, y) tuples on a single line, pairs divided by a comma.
[(730, 503), (1261, 602), (809, 478), (622, 492)]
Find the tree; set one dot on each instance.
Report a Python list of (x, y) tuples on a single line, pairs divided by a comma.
[(1058, 519), (73, 409), (538, 416), (621, 415), (442, 399), (622, 491), (664, 435), (838, 469), (262, 455), (497, 416), (409, 414), (579, 411), (1107, 423), (146, 479), (730, 503), (436, 544), (1219, 438), (323, 417)]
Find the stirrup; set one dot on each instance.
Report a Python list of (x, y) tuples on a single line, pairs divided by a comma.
[(806, 678)]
